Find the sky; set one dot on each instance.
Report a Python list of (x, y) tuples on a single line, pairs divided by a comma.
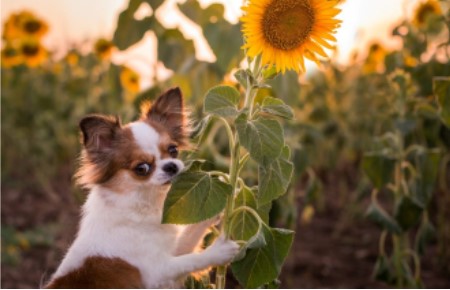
[(82, 21)]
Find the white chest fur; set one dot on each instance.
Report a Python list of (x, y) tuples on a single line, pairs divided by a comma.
[(127, 227)]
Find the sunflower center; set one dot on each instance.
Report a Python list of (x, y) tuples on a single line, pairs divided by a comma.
[(424, 11), (30, 50), (287, 23), (32, 26), (133, 79)]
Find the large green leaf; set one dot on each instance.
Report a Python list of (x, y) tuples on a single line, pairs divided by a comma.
[(442, 92), (276, 107), (228, 53), (195, 196), (129, 30), (427, 165), (274, 178), (383, 269), (262, 137), (222, 101), (379, 168), (263, 265), (216, 29), (424, 235), (377, 214), (245, 224), (407, 213), (173, 49), (202, 16)]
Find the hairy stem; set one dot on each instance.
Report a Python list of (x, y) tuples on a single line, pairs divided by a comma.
[(233, 175), (235, 149)]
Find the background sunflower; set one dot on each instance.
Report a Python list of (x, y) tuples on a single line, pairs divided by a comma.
[(130, 80), (33, 53), (103, 48), (425, 10), (11, 56)]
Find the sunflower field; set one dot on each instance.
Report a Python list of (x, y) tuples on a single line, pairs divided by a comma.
[(338, 177)]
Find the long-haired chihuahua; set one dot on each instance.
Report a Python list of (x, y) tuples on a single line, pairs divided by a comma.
[(121, 242)]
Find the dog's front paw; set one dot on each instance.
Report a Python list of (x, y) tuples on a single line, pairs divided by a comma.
[(222, 251)]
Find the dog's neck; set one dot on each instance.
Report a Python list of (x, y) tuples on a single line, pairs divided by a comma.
[(143, 205)]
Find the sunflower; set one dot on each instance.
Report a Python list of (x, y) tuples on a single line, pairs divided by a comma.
[(24, 24), (130, 80), (11, 28), (424, 10), (375, 58), (72, 57), (103, 48), (34, 54), (284, 32), (31, 26), (11, 56)]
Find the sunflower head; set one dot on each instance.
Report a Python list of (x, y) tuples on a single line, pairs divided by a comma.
[(375, 58), (31, 26), (425, 10), (284, 32), (24, 25), (130, 80), (11, 56), (72, 58), (33, 53), (103, 48)]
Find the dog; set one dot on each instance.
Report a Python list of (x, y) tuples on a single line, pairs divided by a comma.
[(127, 169)]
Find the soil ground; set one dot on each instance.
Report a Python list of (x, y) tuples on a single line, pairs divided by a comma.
[(335, 250)]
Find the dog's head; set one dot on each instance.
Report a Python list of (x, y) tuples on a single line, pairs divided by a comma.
[(137, 155)]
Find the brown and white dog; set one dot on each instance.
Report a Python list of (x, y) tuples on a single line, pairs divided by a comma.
[(121, 242)]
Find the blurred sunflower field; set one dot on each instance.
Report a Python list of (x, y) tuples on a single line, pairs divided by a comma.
[(369, 197)]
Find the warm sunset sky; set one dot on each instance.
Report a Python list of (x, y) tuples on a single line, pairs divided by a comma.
[(74, 21)]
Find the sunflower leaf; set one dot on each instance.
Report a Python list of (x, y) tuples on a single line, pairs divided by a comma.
[(194, 196), (379, 168), (262, 265), (262, 137), (129, 30), (274, 178), (245, 225), (277, 107), (222, 101)]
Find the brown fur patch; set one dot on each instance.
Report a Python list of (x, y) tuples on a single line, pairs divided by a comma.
[(98, 166), (167, 115), (100, 272)]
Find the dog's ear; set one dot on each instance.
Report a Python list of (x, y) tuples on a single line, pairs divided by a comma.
[(168, 112), (99, 131)]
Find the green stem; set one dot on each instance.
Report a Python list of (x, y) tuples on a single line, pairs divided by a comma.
[(415, 257), (221, 174), (233, 177), (235, 149), (382, 242), (398, 260)]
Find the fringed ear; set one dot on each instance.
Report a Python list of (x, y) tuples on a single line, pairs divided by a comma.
[(168, 112), (99, 132)]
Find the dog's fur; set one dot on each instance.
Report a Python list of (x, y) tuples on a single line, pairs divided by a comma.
[(121, 242)]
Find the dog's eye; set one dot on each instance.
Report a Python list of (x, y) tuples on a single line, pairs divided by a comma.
[(143, 169), (173, 151)]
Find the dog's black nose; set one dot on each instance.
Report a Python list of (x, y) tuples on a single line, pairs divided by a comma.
[(170, 168)]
